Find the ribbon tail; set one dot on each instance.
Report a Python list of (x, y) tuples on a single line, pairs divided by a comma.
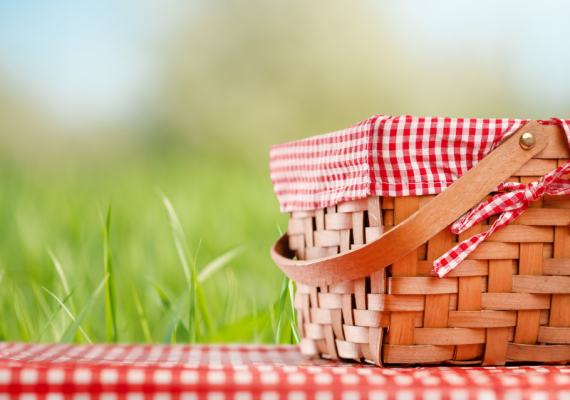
[(447, 262), (450, 260)]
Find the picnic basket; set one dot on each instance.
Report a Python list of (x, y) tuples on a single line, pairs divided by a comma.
[(375, 206)]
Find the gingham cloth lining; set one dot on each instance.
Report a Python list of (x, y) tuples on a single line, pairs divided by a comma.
[(382, 156), (250, 372), (510, 205)]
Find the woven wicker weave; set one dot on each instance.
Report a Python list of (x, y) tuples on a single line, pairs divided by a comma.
[(509, 301)]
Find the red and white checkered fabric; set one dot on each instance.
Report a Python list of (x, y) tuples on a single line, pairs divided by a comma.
[(511, 205), (382, 156), (241, 372)]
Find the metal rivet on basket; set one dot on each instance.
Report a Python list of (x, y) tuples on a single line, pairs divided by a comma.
[(527, 141)]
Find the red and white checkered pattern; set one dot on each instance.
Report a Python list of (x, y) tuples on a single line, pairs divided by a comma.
[(510, 204), (382, 156), (138, 372)]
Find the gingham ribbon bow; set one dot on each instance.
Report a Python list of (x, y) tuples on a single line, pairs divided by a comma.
[(510, 204)]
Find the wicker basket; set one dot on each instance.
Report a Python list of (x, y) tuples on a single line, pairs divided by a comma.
[(366, 290)]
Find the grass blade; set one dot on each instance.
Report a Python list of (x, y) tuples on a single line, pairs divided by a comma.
[(197, 251), (63, 278), (273, 322), (230, 299), (59, 270), (179, 237), (48, 324), (193, 317), (294, 326), (255, 326), (110, 295), (170, 334), (21, 317), (70, 331), (219, 262), (295, 330), (142, 316), (189, 270), (205, 311), (68, 313), (166, 303), (287, 290), (168, 306), (41, 300), (282, 303)]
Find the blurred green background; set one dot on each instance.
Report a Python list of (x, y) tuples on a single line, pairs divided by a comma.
[(124, 99)]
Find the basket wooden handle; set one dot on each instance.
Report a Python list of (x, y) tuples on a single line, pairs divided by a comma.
[(452, 203)]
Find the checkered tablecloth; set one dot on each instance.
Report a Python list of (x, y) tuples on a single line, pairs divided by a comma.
[(242, 372)]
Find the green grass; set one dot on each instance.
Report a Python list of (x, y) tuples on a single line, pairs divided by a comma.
[(183, 257)]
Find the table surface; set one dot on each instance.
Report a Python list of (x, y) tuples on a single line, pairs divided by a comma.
[(243, 372)]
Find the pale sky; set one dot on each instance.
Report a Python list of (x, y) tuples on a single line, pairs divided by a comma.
[(94, 60), (531, 37), (83, 59)]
